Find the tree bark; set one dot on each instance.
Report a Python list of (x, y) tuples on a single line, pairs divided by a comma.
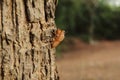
[(26, 32)]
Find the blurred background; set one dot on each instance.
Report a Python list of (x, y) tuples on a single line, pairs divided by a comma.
[(91, 48)]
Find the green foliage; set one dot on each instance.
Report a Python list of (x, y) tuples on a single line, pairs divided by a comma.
[(74, 16)]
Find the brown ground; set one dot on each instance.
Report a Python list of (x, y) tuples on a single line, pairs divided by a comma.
[(97, 62)]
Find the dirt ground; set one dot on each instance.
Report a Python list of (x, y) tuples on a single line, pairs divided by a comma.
[(91, 62)]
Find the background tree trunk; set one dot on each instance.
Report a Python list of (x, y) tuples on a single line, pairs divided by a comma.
[(91, 6), (26, 31)]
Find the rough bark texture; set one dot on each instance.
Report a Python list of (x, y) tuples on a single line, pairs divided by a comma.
[(26, 32)]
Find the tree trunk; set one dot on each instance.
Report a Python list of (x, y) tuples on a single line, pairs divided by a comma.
[(26, 32), (91, 6)]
